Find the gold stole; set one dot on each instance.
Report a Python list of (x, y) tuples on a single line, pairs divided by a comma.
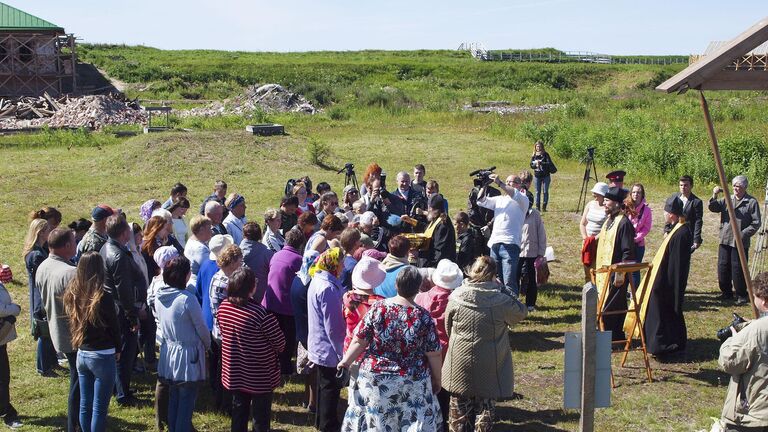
[(605, 253), (644, 291)]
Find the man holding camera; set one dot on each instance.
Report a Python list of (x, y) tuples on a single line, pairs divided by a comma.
[(747, 212), (745, 357), (508, 215)]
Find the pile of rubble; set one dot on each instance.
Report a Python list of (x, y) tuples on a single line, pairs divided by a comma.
[(501, 107), (87, 111), (268, 97)]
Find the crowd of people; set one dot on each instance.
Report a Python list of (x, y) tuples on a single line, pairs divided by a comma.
[(375, 290), (613, 228)]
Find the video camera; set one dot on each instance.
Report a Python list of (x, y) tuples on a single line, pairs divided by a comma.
[(349, 169), (482, 177)]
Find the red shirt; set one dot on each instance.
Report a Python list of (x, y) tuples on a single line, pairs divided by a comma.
[(435, 301)]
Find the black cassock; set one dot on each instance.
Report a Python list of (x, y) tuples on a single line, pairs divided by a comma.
[(664, 322), (624, 249)]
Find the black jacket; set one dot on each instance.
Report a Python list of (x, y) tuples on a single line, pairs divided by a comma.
[(694, 215), (399, 206), (543, 169), (443, 244), (122, 278)]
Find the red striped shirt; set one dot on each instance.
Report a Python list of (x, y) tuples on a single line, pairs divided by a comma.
[(250, 342)]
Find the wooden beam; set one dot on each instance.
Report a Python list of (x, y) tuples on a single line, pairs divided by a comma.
[(695, 75), (728, 203), (737, 80)]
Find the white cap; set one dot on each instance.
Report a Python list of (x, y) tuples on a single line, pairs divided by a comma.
[(447, 275)]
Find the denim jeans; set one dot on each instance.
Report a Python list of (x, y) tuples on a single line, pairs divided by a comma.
[(542, 184), (506, 257), (97, 379), (127, 358), (45, 358), (181, 404)]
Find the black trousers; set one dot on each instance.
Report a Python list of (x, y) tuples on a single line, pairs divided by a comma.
[(73, 401), (162, 396), (526, 275), (127, 358), (147, 331), (6, 409), (222, 397), (246, 406), (328, 395), (288, 325), (729, 271)]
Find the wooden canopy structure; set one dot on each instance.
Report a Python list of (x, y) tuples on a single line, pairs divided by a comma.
[(735, 65)]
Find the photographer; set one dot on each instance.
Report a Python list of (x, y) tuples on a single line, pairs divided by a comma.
[(745, 357), (508, 216)]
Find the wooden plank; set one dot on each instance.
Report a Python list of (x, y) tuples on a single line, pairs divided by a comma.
[(589, 335), (737, 80), (728, 203), (695, 75)]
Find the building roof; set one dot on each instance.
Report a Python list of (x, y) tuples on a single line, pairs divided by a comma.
[(15, 19), (734, 65)]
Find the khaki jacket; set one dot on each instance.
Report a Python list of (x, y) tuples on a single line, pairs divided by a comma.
[(745, 357), (533, 241), (478, 362)]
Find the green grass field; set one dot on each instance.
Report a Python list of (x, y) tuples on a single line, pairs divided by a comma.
[(607, 108)]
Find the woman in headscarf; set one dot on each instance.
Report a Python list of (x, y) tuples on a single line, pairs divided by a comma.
[(146, 209), (325, 319), (478, 364)]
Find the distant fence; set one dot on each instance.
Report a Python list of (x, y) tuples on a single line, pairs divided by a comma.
[(575, 57)]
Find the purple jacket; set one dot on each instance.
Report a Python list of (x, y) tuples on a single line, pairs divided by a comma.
[(282, 270), (325, 317)]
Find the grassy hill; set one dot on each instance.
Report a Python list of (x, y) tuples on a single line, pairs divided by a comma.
[(402, 108)]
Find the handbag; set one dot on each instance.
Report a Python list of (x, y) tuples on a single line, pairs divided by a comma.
[(552, 167), (40, 328), (542, 270), (5, 329)]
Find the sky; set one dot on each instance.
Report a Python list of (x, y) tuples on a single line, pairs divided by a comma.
[(618, 27)]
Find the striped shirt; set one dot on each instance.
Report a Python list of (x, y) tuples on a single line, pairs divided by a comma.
[(595, 218), (250, 342)]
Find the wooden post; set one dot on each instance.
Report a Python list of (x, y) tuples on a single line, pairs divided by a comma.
[(729, 204), (588, 339)]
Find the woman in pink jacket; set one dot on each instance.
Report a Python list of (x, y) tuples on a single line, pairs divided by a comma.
[(642, 219), (446, 277)]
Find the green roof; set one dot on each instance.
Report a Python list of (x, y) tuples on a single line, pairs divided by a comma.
[(15, 19)]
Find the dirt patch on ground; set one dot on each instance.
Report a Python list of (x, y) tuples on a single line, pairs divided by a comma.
[(502, 107), (268, 97)]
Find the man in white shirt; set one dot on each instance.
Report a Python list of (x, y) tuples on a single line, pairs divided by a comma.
[(508, 217), (235, 220)]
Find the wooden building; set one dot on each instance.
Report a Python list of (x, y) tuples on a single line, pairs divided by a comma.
[(36, 56)]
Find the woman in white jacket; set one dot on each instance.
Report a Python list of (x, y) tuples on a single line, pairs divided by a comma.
[(8, 313)]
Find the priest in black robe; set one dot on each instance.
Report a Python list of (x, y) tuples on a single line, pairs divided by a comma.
[(664, 324), (617, 245)]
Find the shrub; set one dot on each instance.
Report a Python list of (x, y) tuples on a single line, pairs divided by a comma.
[(318, 152), (575, 109), (337, 113)]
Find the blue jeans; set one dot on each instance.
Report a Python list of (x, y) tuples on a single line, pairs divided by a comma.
[(506, 257), (46, 358), (542, 183), (640, 254), (181, 404), (97, 379)]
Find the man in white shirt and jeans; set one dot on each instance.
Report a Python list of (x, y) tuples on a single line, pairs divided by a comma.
[(508, 217)]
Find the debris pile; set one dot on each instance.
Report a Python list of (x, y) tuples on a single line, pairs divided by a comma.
[(87, 111), (267, 97), (501, 107)]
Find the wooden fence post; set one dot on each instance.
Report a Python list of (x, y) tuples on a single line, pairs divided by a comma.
[(589, 335)]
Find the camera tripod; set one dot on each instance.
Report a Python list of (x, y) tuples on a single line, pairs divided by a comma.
[(349, 175), (589, 167)]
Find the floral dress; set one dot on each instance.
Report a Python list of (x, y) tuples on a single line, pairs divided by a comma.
[(393, 391)]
